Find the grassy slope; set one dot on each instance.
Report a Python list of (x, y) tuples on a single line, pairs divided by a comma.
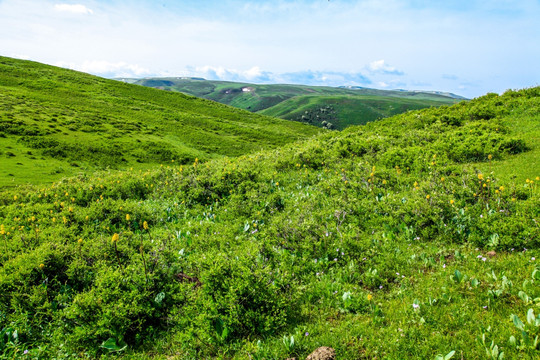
[(352, 106), (374, 241), (56, 122), (346, 110)]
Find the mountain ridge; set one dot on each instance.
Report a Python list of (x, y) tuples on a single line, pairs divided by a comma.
[(356, 106)]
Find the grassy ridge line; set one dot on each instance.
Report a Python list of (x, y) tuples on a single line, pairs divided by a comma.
[(279, 99), (56, 122), (395, 239)]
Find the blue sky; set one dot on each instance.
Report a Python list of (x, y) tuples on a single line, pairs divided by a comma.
[(465, 47)]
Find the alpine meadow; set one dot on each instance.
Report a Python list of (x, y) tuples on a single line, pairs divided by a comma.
[(138, 223)]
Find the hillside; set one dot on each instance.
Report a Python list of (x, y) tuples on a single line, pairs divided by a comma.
[(56, 122), (349, 105), (340, 112), (411, 237)]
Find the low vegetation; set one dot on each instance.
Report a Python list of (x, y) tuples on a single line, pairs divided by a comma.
[(415, 236)]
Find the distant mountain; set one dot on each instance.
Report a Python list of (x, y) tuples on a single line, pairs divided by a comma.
[(332, 107), (56, 122), (441, 93)]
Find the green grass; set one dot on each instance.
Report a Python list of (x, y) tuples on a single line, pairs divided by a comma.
[(344, 111), (349, 106), (525, 166), (57, 122), (407, 237)]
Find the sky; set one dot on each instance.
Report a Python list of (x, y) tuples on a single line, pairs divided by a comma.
[(468, 47)]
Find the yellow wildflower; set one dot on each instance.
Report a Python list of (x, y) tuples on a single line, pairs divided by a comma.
[(41, 266), (480, 176), (115, 237), (369, 297), (145, 225), (128, 217)]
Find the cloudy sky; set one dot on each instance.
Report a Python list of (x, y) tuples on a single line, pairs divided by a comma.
[(467, 47)]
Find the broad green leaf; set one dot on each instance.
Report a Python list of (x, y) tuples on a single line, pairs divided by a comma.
[(112, 345), (517, 322), (523, 296), (530, 317)]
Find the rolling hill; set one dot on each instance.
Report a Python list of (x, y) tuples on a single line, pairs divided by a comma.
[(339, 106), (412, 237), (339, 112), (56, 122)]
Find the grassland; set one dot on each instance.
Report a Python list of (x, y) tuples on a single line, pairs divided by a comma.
[(339, 112), (346, 106), (56, 122), (413, 237)]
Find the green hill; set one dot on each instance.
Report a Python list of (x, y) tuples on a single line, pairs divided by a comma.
[(339, 112), (412, 237), (56, 122), (348, 105)]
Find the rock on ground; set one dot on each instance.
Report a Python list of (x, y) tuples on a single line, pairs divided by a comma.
[(322, 353)]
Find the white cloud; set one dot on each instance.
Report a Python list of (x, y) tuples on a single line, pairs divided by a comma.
[(20, 56), (109, 69), (380, 66), (73, 8), (256, 75)]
